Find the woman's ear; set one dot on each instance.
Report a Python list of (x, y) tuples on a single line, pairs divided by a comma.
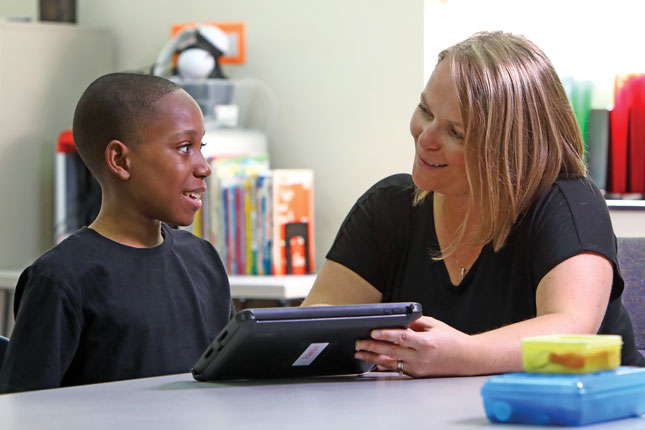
[(117, 159)]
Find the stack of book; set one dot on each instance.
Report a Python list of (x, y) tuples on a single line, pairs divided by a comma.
[(614, 136), (259, 220)]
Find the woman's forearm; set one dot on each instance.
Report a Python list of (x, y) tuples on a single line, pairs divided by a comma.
[(499, 350)]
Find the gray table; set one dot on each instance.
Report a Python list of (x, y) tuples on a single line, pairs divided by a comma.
[(373, 401)]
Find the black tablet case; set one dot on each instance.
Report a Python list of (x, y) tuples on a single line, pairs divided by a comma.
[(298, 341)]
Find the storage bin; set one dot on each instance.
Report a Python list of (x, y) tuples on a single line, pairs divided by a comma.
[(571, 353), (249, 100), (565, 399)]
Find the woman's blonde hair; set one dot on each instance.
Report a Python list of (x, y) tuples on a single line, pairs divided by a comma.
[(520, 131)]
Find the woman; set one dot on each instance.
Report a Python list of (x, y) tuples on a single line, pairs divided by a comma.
[(498, 233)]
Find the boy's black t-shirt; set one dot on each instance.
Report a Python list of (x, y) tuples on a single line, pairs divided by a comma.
[(92, 310), (390, 243)]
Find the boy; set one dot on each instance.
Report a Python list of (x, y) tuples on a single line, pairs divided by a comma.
[(127, 297)]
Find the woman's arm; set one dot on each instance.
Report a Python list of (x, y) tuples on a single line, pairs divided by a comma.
[(571, 298), (338, 285)]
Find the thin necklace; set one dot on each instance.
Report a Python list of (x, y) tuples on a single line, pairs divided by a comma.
[(462, 268)]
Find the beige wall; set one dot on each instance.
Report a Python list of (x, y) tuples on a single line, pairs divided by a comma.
[(45, 68), (346, 75), (19, 8)]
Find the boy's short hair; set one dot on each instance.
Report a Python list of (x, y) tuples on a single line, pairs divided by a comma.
[(115, 107)]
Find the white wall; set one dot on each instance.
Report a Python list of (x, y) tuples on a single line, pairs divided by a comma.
[(588, 39), (346, 75)]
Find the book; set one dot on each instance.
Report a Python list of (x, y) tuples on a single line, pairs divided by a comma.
[(637, 147), (293, 204), (265, 222), (259, 220), (226, 214), (625, 90), (579, 93), (598, 146)]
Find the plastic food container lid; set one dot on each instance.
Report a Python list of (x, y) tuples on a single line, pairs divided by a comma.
[(554, 384), (571, 353), (573, 341), (565, 399)]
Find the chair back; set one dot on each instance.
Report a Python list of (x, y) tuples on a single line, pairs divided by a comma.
[(631, 259), (4, 342)]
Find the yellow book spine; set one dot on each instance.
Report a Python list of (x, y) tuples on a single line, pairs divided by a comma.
[(197, 223), (248, 226)]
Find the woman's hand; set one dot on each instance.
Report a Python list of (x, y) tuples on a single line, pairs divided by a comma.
[(430, 347)]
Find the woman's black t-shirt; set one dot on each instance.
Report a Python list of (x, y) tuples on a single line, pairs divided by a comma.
[(390, 243)]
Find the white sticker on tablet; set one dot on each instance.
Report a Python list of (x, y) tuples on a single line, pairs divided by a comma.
[(310, 354)]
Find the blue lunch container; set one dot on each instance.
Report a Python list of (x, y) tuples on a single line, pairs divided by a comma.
[(565, 399)]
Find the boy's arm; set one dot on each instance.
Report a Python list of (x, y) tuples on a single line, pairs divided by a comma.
[(44, 338)]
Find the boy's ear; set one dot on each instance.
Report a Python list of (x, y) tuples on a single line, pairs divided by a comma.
[(117, 159)]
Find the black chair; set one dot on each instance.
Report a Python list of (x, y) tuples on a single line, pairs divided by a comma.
[(631, 259), (4, 342)]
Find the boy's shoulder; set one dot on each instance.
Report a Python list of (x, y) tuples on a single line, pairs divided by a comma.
[(182, 236), (86, 253), (56, 272), (183, 241), (67, 256)]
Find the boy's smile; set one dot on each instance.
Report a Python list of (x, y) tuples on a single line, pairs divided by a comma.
[(168, 170), (195, 197)]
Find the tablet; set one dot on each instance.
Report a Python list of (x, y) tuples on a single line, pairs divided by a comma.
[(298, 341)]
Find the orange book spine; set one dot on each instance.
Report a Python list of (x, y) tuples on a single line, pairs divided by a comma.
[(293, 202)]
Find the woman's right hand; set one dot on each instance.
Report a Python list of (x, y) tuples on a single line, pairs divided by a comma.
[(428, 348)]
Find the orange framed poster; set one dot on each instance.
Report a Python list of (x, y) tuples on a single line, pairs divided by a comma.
[(234, 31)]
